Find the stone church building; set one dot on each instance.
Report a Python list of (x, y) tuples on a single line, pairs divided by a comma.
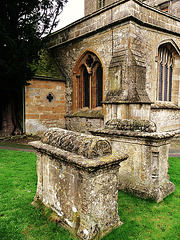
[(120, 61)]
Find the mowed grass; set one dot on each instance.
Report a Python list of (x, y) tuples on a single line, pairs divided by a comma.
[(142, 219), (145, 219), (18, 218)]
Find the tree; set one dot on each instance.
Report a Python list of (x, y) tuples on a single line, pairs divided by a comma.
[(23, 25)]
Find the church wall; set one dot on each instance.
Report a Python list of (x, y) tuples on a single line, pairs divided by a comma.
[(125, 38), (170, 6), (144, 46), (102, 45), (41, 111), (166, 119)]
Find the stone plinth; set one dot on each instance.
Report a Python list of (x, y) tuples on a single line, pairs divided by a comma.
[(145, 173), (127, 110), (80, 183)]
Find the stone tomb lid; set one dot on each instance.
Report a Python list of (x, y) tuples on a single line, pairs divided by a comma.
[(84, 151)]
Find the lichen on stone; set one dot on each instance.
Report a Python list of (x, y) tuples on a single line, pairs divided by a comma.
[(131, 125), (78, 143)]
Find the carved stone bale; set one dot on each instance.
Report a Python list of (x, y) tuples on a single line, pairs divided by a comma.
[(78, 143), (131, 125), (78, 179)]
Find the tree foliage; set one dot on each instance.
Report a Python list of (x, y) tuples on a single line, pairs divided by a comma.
[(23, 25), (46, 66)]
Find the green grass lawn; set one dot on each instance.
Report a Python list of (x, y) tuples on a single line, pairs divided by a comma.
[(143, 219)]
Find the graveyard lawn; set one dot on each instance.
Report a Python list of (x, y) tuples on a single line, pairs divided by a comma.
[(19, 219)]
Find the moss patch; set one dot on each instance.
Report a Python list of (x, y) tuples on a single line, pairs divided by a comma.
[(89, 113)]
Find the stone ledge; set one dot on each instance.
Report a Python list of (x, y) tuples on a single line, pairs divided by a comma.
[(165, 105), (44, 78), (89, 113), (147, 192), (138, 134)]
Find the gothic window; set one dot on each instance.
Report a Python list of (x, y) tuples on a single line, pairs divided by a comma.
[(89, 83), (101, 3), (165, 68)]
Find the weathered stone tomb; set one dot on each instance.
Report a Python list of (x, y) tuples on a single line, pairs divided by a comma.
[(78, 179), (145, 173)]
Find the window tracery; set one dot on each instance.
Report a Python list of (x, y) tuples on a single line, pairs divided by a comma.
[(165, 66), (89, 82)]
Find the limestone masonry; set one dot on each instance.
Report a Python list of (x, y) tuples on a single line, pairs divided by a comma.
[(120, 61)]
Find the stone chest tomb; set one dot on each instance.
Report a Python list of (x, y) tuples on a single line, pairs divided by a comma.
[(145, 173), (78, 179)]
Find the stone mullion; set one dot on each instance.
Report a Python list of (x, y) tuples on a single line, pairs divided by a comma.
[(160, 83), (163, 75), (157, 86), (170, 82), (168, 75)]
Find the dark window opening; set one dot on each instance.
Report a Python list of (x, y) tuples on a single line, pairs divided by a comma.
[(85, 88), (165, 62), (50, 97), (99, 86), (101, 3)]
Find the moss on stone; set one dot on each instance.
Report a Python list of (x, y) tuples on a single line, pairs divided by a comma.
[(131, 125), (46, 66)]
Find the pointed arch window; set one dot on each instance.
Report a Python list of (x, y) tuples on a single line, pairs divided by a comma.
[(89, 83), (165, 69)]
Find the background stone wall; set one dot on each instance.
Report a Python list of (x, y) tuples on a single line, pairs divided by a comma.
[(168, 118), (172, 7), (40, 113)]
